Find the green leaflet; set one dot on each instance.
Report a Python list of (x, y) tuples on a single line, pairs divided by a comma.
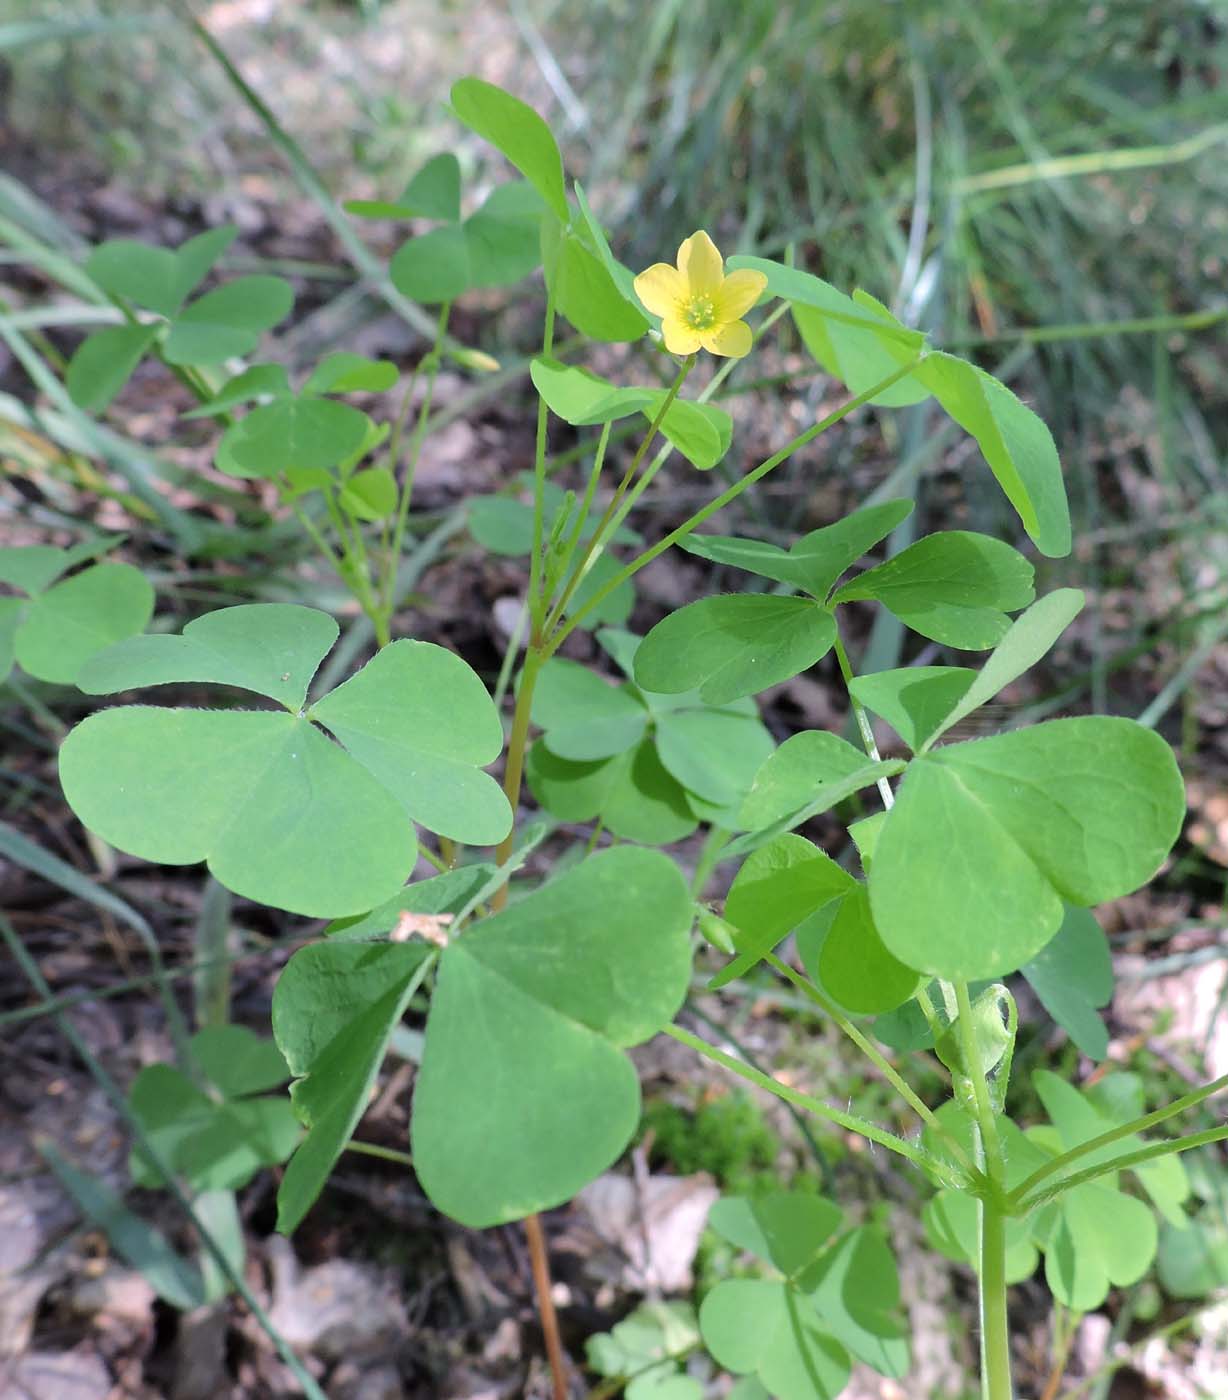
[(103, 363), (807, 774), (219, 1141), (701, 432), (296, 431), (849, 960), (776, 888), (519, 1118), (334, 1009), (954, 587), (733, 645), (497, 245), (1073, 976), (515, 129), (586, 292), (156, 278), (433, 193), (988, 838), (642, 1348), (914, 700), (227, 321), (1013, 440)]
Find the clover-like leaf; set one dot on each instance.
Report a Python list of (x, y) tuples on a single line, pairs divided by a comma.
[(343, 372), (795, 1332), (428, 754), (432, 267), (955, 587), (649, 765), (854, 338), (846, 956), (733, 645), (776, 888), (498, 244), (280, 812), (643, 1348), (815, 561), (632, 793), (914, 700), (518, 1118), (254, 382), (585, 717), (988, 838), (1028, 639), (370, 495)]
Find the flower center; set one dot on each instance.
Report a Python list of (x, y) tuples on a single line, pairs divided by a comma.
[(700, 313)]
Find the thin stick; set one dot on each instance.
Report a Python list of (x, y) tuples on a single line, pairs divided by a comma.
[(540, 1262)]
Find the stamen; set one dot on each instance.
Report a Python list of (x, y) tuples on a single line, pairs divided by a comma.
[(700, 313)]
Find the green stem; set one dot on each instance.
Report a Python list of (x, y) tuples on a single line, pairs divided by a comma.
[(864, 727), (597, 542), (991, 1227), (432, 360), (848, 1121), (705, 395), (985, 1119), (1137, 1125), (373, 1149), (995, 1322), (539, 479), (733, 492), (513, 774), (1130, 1159), (556, 570)]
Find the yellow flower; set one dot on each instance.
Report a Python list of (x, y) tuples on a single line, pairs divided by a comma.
[(699, 306)]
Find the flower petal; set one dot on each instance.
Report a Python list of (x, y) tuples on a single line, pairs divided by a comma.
[(732, 339), (680, 339), (700, 263), (661, 288), (738, 293)]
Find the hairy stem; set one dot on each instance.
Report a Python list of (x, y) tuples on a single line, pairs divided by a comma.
[(597, 542), (875, 1056), (870, 1131), (1124, 1130)]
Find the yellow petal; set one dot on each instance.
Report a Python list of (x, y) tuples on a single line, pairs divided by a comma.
[(732, 339), (661, 288), (680, 339), (700, 263), (738, 293)]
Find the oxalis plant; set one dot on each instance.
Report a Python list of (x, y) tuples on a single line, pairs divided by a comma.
[(322, 794)]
